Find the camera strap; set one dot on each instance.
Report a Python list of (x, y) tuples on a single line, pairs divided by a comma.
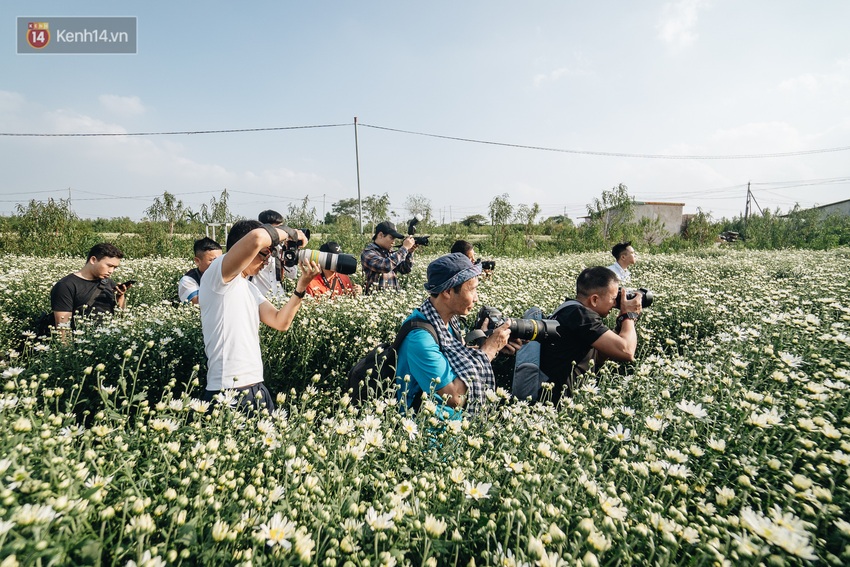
[(328, 285)]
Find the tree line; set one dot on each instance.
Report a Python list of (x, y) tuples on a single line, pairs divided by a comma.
[(49, 228)]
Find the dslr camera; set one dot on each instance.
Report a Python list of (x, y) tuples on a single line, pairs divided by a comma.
[(525, 329), (291, 253), (645, 301), (486, 264), (411, 231)]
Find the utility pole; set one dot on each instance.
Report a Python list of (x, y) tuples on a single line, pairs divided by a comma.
[(357, 159)]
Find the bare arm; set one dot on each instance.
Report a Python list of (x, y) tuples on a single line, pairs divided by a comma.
[(622, 345), (281, 319), (454, 394), (243, 252)]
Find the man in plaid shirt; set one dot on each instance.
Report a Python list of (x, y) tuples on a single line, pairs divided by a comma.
[(382, 265)]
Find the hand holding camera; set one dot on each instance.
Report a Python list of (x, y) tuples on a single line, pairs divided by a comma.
[(632, 300), (498, 338)]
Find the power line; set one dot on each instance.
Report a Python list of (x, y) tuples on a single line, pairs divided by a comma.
[(614, 154), (430, 135), (174, 133)]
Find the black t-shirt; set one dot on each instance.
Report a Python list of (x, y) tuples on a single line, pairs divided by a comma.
[(580, 327), (72, 292)]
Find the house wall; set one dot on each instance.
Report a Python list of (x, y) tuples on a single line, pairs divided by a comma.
[(670, 214), (841, 208)]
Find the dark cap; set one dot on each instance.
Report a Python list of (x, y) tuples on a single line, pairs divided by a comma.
[(330, 246), (388, 228), (449, 271)]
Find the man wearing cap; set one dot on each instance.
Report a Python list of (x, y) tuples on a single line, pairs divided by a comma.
[(458, 375), (330, 283), (382, 266)]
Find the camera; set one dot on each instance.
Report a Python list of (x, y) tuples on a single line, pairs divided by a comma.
[(526, 329), (486, 264), (645, 301), (411, 231), (291, 254)]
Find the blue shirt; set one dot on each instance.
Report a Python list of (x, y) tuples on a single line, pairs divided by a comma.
[(420, 358)]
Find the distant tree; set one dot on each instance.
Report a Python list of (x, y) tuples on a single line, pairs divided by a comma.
[(500, 215), (170, 209), (218, 211), (376, 209), (345, 207), (474, 221), (302, 215), (526, 216), (613, 212), (48, 227), (419, 205), (699, 229)]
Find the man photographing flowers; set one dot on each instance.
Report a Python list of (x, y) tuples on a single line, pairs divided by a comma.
[(458, 375), (232, 310)]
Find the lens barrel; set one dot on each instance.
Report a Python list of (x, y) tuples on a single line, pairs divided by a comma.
[(342, 263)]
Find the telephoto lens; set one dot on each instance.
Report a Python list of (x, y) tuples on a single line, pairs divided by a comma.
[(342, 263)]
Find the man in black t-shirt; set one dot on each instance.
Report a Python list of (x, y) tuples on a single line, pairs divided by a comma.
[(583, 334), (89, 290)]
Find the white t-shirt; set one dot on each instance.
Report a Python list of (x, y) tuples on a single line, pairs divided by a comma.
[(187, 289), (622, 273), (230, 320)]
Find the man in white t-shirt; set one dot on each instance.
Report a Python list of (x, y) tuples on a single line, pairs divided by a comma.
[(232, 310), (626, 256), (206, 250)]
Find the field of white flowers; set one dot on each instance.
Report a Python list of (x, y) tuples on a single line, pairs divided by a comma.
[(727, 442)]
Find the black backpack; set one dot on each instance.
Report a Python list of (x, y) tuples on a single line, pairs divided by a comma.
[(374, 374), (528, 378)]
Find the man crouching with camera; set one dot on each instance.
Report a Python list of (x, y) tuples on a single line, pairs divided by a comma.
[(583, 334), (458, 375), (232, 309)]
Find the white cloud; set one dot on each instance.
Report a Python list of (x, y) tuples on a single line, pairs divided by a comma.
[(579, 69), (814, 82), (124, 105), (677, 27), (11, 102)]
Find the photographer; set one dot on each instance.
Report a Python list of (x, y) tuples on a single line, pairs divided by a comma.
[(583, 334), (331, 283), (459, 375), (466, 248), (269, 280), (382, 266), (232, 310)]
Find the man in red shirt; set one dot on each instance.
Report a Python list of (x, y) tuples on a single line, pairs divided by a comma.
[(330, 283)]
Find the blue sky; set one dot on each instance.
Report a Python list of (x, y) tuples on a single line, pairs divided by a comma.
[(687, 78)]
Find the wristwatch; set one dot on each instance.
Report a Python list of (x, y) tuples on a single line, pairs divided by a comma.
[(630, 315)]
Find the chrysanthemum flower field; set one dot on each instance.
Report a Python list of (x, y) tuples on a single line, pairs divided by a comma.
[(727, 442)]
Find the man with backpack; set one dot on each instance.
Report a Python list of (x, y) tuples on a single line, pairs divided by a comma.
[(584, 337), (453, 375), (206, 250)]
